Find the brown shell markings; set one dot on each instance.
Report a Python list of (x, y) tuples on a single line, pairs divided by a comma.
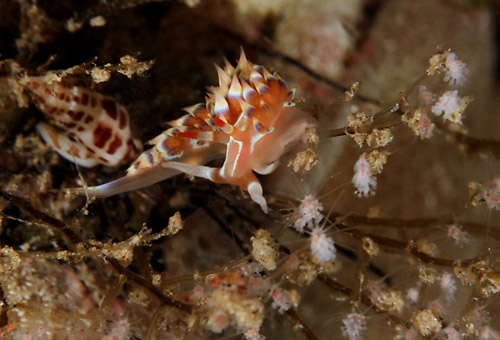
[(85, 127)]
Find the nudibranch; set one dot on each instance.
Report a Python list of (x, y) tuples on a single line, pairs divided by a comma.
[(85, 127), (250, 119)]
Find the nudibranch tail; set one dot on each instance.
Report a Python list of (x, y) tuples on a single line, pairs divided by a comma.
[(148, 169), (86, 126), (127, 183), (249, 119)]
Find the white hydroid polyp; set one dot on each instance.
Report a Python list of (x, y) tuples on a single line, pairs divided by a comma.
[(322, 246), (456, 70), (451, 106), (309, 213), (354, 324), (363, 178)]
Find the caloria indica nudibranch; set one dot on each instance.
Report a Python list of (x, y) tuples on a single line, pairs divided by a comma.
[(249, 119), (85, 126)]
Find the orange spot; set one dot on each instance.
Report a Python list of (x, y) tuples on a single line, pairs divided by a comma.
[(78, 115), (61, 95), (188, 134), (101, 135), (33, 84), (115, 144), (122, 119), (73, 151), (219, 122), (88, 119), (85, 99), (220, 319), (110, 107)]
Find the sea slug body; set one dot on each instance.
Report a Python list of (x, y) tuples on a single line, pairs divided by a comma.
[(249, 120)]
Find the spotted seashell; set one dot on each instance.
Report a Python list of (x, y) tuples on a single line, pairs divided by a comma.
[(83, 126)]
